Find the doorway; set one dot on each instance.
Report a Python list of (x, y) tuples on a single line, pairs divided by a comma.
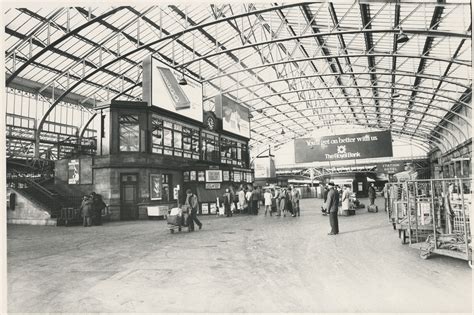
[(128, 196)]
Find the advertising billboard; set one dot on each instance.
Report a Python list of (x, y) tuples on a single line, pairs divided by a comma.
[(344, 147), (161, 89), (264, 167), (235, 117)]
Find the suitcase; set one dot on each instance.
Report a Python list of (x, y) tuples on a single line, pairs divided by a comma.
[(174, 219), (373, 208)]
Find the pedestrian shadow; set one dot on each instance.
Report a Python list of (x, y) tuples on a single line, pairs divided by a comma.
[(370, 228)]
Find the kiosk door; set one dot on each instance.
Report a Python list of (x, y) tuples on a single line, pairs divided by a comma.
[(128, 196)]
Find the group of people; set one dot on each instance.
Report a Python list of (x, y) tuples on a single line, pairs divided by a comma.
[(91, 209), (283, 201)]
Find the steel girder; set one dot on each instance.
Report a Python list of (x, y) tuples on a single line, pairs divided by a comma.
[(427, 132), (60, 40), (381, 88), (338, 33), (140, 48)]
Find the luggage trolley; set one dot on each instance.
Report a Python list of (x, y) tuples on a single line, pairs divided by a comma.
[(177, 219)]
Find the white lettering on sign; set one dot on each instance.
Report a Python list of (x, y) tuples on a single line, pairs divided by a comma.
[(343, 155)]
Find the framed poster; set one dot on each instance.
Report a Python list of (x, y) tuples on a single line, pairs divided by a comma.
[(225, 176), (213, 208), (73, 172), (213, 176), (201, 177), (192, 176), (186, 176), (156, 186), (237, 176), (205, 208)]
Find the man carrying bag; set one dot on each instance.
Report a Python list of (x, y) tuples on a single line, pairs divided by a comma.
[(192, 206)]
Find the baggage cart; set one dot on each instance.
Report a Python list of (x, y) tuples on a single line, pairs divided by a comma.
[(177, 219)]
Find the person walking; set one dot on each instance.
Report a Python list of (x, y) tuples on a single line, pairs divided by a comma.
[(86, 211), (332, 204), (192, 204), (295, 202), (386, 196), (255, 200), (325, 197), (97, 206), (248, 200), (227, 203), (283, 198), (345, 199), (267, 196), (371, 194), (242, 202)]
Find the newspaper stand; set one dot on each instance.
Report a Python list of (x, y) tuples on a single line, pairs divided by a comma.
[(449, 214)]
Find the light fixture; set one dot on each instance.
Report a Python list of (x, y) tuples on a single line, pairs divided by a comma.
[(402, 37), (282, 131), (183, 81), (259, 110)]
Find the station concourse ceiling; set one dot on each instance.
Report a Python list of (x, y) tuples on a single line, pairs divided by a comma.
[(299, 66)]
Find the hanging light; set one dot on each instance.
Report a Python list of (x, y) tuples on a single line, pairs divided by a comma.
[(259, 110), (183, 81), (282, 131), (402, 37)]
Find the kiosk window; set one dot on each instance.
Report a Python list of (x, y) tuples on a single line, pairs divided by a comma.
[(166, 188), (157, 135), (129, 132)]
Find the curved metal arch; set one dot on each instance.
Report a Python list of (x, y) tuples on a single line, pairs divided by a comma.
[(404, 74), (60, 40), (360, 87), (322, 57), (464, 118), (146, 46), (338, 33), (421, 140), (440, 144), (382, 119), (388, 107)]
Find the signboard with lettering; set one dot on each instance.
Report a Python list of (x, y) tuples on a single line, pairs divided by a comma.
[(344, 147), (73, 172), (213, 185), (264, 167)]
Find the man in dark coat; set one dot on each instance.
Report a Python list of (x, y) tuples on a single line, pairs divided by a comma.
[(97, 206), (332, 205), (371, 194)]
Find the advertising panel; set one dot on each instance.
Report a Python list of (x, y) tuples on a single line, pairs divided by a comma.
[(73, 172), (161, 89), (264, 167), (235, 117), (213, 176), (156, 185), (344, 147)]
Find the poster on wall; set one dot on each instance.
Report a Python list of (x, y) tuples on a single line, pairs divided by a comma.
[(264, 167), (237, 176), (156, 186), (192, 175), (213, 176), (213, 208), (225, 176), (201, 176), (235, 117), (161, 89), (186, 176), (73, 172), (205, 208), (344, 147)]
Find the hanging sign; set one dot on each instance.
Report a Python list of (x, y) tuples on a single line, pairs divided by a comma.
[(344, 147)]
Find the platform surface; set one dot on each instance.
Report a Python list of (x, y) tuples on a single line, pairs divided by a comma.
[(239, 264)]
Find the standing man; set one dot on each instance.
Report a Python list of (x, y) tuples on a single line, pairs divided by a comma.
[(86, 211), (325, 198), (255, 200), (332, 204), (371, 194), (386, 196), (248, 199), (295, 201), (192, 203), (242, 202), (97, 206)]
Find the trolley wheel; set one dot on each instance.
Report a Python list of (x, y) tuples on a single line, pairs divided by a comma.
[(425, 254), (179, 229)]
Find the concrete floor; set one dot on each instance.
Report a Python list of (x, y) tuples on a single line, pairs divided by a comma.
[(238, 264)]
